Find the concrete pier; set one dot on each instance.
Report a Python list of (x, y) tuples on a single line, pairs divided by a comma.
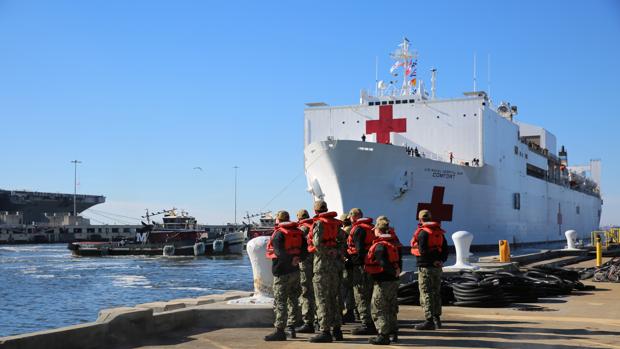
[(582, 320)]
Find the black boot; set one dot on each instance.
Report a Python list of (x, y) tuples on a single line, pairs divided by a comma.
[(349, 316), (428, 324), (323, 337), (337, 332), (277, 335), (381, 339), (364, 329), (437, 322), (306, 328), (395, 336), (291, 332)]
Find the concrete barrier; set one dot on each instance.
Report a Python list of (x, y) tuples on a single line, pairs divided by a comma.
[(129, 325)]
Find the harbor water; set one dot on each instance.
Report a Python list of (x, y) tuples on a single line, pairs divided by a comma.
[(44, 286)]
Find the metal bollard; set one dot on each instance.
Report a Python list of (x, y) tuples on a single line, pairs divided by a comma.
[(504, 251), (599, 251)]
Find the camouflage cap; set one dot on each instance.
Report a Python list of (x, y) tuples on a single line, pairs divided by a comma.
[(356, 212), (302, 214), (283, 216), (343, 216), (383, 218), (320, 205), (424, 214), (382, 223)]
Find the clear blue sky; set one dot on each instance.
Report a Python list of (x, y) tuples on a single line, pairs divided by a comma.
[(143, 91)]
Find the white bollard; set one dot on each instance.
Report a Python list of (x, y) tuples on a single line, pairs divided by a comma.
[(261, 268), (462, 241), (571, 240)]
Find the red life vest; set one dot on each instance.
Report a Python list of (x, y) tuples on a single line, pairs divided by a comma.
[(395, 239), (366, 224), (306, 223), (331, 227), (292, 239), (372, 266), (435, 237)]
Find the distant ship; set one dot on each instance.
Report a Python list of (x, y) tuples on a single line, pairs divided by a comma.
[(179, 235), (466, 159)]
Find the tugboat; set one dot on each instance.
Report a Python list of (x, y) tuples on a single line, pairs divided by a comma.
[(179, 235), (264, 227)]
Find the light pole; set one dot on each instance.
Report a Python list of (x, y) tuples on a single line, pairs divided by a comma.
[(75, 163), (236, 167)]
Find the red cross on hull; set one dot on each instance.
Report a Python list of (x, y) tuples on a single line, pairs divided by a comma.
[(439, 211), (386, 124)]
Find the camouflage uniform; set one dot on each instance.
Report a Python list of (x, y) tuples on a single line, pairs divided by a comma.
[(362, 290), (385, 306), (327, 270), (308, 305), (285, 293), (429, 279)]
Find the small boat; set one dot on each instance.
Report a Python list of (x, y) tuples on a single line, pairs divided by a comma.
[(179, 235), (264, 226)]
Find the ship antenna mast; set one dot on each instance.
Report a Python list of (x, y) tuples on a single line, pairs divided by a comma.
[(406, 60)]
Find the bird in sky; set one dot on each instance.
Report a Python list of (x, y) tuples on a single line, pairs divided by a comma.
[(198, 168)]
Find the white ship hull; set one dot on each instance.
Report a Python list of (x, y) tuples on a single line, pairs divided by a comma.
[(383, 179)]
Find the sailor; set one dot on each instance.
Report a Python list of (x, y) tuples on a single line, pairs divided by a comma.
[(360, 239), (430, 247), (347, 283), (286, 249), (308, 305), (323, 241), (383, 263)]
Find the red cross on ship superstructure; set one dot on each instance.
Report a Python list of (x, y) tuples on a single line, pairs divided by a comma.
[(386, 124), (439, 210)]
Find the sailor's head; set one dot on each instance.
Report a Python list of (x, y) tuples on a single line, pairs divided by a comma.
[(424, 216), (302, 214), (346, 220), (382, 226), (320, 206), (282, 216), (355, 214)]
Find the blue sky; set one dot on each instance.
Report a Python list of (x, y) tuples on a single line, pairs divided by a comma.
[(143, 91)]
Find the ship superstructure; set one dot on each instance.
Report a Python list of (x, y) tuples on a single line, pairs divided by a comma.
[(466, 159)]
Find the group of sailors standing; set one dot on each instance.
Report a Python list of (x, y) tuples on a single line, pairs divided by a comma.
[(318, 261)]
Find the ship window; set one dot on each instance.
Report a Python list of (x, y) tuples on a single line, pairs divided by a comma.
[(384, 102), (343, 122), (516, 150), (371, 103), (90, 230), (207, 229), (398, 101), (464, 115), (404, 101), (577, 209), (77, 230), (391, 102), (115, 230), (516, 201), (412, 101), (126, 230)]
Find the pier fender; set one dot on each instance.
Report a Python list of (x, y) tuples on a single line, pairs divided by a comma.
[(462, 242), (218, 246), (199, 249), (571, 240), (168, 250), (261, 268)]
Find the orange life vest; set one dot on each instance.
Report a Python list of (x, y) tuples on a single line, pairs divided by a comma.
[(366, 224), (372, 266), (395, 239), (306, 223), (292, 239), (331, 227), (435, 237)]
